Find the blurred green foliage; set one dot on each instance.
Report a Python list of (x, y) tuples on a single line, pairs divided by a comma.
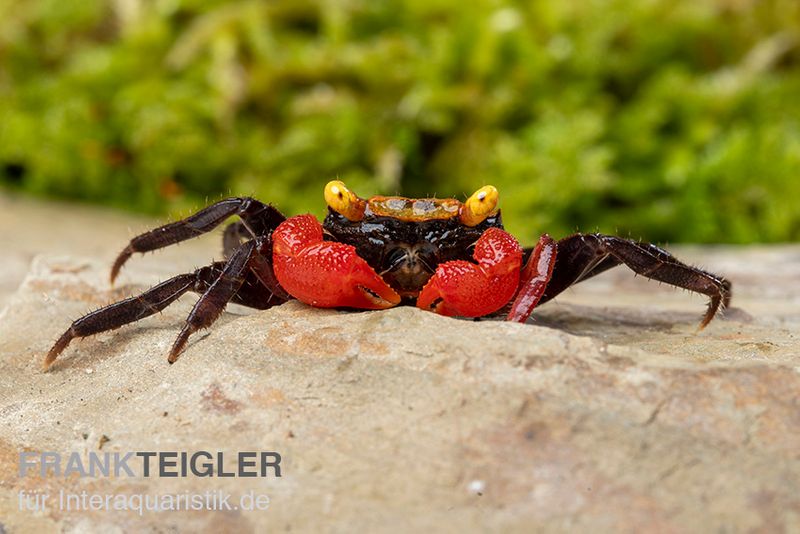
[(671, 121)]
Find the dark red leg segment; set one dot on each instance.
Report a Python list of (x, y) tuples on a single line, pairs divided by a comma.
[(534, 278), (257, 217)]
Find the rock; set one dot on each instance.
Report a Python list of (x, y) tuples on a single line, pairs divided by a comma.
[(608, 412), (33, 227)]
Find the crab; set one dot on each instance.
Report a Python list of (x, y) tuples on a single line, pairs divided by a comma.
[(441, 255)]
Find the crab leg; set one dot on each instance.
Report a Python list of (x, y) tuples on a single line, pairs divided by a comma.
[(462, 288), (325, 274), (582, 256), (256, 216), (124, 312), (211, 304), (534, 279), (259, 290)]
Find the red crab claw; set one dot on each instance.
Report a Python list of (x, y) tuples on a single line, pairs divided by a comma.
[(325, 274), (465, 289)]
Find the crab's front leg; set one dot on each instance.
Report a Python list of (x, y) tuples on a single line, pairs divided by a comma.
[(325, 274), (465, 289)]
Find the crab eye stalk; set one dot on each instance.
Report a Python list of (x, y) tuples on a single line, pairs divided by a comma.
[(480, 205), (343, 201)]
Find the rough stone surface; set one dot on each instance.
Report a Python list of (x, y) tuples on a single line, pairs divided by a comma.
[(607, 413)]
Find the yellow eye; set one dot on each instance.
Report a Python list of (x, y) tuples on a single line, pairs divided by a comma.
[(480, 205), (343, 201)]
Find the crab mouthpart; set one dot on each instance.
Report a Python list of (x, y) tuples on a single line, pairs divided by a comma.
[(408, 268)]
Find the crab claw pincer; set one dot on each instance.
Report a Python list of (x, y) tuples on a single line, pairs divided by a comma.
[(465, 289), (325, 274)]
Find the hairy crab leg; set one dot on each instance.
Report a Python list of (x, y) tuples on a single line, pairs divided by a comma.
[(256, 292), (258, 218), (211, 304), (534, 279), (325, 274), (582, 256), (465, 289), (124, 312)]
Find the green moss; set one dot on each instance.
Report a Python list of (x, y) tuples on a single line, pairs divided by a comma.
[(662, 120)]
